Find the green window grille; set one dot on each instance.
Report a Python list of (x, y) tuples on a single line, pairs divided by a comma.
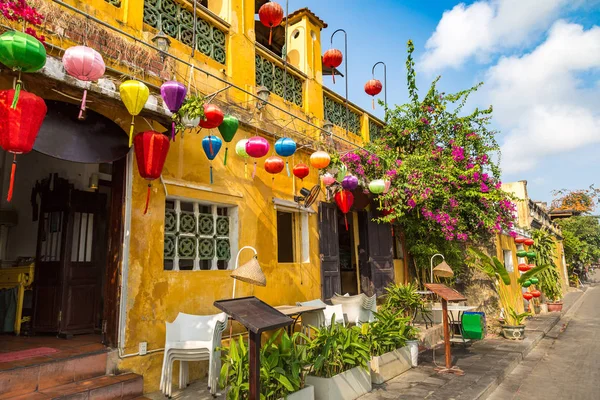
[(271, 76), (197, 236), (335, 112), (176, 21), (375, 130), (116, 3)]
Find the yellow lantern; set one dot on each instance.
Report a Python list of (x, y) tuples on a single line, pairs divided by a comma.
[(320, 159), (134, 95)]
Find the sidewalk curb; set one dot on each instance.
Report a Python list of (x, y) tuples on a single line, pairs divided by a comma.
[(564, 320)]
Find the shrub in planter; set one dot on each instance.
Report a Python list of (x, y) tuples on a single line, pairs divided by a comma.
[(283, 369), (513, 327), (340, 360)]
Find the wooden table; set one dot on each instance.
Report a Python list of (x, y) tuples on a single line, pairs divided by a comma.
[(297, 311)]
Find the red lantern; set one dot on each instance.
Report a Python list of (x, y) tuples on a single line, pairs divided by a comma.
[(528, 242), (527, 296), (373, 88), (344, 200), (531, 266), (213, 117), (19, 126), (274, 165), (536, 293), (523, 267), (301, 171), (270, 14), (151, 150), (519, 239), (332, 59)]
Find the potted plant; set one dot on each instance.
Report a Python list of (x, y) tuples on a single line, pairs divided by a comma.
[(283, 369), (340, 363), (412, 342), (513, 327), (549, 279), (190, 113), (386, 337)]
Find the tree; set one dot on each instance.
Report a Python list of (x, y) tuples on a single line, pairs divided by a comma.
[(444, 185), (581, 240), (580, 201)]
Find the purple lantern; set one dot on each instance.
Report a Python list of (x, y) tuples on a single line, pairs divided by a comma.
[(350, 182), (173, 94)]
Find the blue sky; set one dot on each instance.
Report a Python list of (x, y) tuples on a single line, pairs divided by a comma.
[(539, 59)]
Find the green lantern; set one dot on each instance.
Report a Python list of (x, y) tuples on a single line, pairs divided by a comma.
[(535, 281), (23, 53), (527, 283), (342, 171), (521, 253), (228, 129), (531, 254)]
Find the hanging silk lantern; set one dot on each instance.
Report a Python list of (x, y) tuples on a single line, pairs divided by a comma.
[(521, 253), (173, 94), (270, 15), (328, 179), (344, 200), (134, 95), (526, 284), (523, 267), (332, 58), (301, 171), (274, 165), (211, 146), (85, 64), (151, 150), (320, 159), (228, 129), (527, 296), (373, 87), (350, 182), (519, 240), (531, 254), (535, 281), (240, 150), (536, 293), (387, 184), (377, 186), (213, 117), (257, 147), (342, 171), (22, 53), (529, 242), (19, 126), (531, 266), (285, 147)]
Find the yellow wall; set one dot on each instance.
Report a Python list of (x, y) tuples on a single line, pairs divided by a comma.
[(505, 242)]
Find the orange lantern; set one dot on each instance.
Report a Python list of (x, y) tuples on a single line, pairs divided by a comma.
[(320, 159), (332, 58)]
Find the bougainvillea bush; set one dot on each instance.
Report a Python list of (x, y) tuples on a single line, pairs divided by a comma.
[(444, 177), (21, 12)]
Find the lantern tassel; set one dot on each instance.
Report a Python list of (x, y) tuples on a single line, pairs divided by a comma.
[(173, 131), (373, 102), (287, 168), (148, 198), (83, 100), (225, 157), (333, 75), (17, 93), (211, 174), (254, 171), (131, 130), (13, 170), (346, 221), (270, 35), (210, 148)]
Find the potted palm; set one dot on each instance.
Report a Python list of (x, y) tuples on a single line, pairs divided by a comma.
[(283, 368), (340, 359), (513, 327), (549, 279)]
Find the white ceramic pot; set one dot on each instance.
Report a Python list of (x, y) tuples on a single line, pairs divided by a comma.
[(348, 385), (190, 123), (390, 365), (413, 345)]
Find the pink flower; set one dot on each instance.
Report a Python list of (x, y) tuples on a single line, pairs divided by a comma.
[(458, 153), (484, 188), (411, 203)]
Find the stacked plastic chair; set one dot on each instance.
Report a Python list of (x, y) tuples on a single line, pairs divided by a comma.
[(192, 338), (358, 309)]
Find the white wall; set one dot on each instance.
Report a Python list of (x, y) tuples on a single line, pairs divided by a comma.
[(34, 167)]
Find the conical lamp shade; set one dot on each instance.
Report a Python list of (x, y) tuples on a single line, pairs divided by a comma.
[(443, 270), (250, 273)]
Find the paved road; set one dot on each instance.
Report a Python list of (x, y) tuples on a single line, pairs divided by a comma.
[(565, 367)]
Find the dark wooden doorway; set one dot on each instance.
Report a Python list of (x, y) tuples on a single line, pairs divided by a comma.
[(70, 259), (329, 250)]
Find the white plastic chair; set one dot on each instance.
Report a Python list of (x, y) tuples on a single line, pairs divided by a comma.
[(336, 312), (316, 319), (192, 338), (358, 309)]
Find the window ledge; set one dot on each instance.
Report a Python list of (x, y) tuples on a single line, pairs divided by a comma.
[(291, 206)]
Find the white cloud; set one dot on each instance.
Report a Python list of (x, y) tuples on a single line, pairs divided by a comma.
[(541, 103), (487, 27)]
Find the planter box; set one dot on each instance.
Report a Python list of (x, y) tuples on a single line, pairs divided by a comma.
[(390, 365), (308, 393), (348, 385), (555, 307), (514, 332)]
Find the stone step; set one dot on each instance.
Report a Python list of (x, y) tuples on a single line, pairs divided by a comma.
[(126, 386), (29, 379)]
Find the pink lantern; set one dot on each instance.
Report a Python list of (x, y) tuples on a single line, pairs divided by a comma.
[(85, 64), (257, 147), (328, 179), (387, 186)]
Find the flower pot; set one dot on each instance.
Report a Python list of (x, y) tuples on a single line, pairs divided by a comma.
[(555, 307), (413, 345), (308, 393), (348, 385), (544, 308), (390, 365), (514, 332), (189, 122), (536, 309)]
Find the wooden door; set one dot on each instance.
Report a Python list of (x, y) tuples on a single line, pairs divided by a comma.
[(375, 253), (331, 282)]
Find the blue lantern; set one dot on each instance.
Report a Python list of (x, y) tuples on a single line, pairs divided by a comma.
[(285, 147), (211, 145)]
